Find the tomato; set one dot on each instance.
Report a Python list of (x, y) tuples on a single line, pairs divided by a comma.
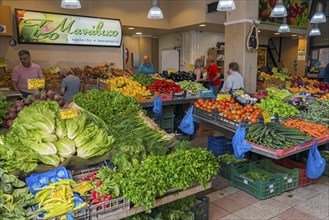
[(227, 108), (230, 117), (239, 120), (224, 100), (232, 100), (253, 120), (243, 111), (197, 105), (233, 112)]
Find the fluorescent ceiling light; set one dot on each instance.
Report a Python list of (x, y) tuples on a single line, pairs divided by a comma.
[(318, 16), (279, 10), (139, 33), (202, 25), (131, 28), (155, 12), (315, 32), (294, 35), (226, 5), (71, 4), (276, 33)]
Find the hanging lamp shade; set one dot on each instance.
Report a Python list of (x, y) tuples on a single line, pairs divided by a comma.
[(225, 5), (318, 16), (284, 28), (71, 4), (279, 10), (155, 12), (315, 31)]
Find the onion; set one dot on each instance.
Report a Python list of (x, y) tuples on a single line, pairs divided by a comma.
[(12, 109), (12, 115), (28, 101), (19, 102), (61, 102), (19, 108), (57, 97), (43, 97), (37, 95), (9, 123)]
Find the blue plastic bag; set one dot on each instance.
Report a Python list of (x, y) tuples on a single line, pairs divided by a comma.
[(187, 124), (240, 146), (212, 93), (315, 163), (157, 108)]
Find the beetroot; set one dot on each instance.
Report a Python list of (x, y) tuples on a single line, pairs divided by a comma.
[(28, 101), (57, 97), (37, 95), (36, 100), (61, 102), (43, 97), (19, 108), (12, 109), (12, 115), (19, 102), (9, 123)]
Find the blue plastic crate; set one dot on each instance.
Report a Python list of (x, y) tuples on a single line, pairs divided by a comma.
[(219, 145)]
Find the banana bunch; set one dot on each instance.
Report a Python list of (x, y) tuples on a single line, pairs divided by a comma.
[(57, 198), (239, 92)]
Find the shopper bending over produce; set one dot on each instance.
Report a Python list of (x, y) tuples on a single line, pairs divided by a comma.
[(23, 72), (213, 74), (234, 80), (70, 84), (146, 67)]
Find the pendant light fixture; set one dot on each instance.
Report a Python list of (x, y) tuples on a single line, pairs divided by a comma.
[(284, 28), (155, 12), (279, 10), (315, 31), (225, 5), (318, 16), (71, 4)]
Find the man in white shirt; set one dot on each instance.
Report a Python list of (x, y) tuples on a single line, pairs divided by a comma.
[(234, 80)]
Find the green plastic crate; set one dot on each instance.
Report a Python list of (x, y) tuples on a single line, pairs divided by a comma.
[(167, 123), (289, 177), (261, 189), (226, 169)]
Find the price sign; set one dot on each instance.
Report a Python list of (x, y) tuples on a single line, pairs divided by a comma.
[(223, 96), (285, 70), (275, 70), (59, 193), (266, 116), (69, 113), (190, 67), (83, 187), (103, 86), (36, 83)]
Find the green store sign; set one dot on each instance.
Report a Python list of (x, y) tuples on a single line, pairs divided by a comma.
[(50, 28)]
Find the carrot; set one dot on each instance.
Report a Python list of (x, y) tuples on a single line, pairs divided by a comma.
[(314, 130)]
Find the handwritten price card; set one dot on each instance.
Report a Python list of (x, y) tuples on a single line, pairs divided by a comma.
[(69, 113), (224, 96), (36, 83), (266, 116)]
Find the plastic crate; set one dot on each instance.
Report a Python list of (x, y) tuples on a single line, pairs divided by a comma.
[(226, 169), (167, 123), (261, 189), (192, 95), (289, 177), (205, 94), (77, 175), (219, 145), (290, 164), (179, 95), (165, 97), (201, 208), (146, 98), (107, 208), (189, 216), (168, 111), (227, 122)]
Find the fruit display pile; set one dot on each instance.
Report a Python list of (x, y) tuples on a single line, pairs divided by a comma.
[(191, 86), (277, 106), (127, 87), (230, 109), (312, 129), (164, 87), (275, 135)]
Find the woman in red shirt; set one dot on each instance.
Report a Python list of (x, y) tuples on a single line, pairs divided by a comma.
[(213, 74)]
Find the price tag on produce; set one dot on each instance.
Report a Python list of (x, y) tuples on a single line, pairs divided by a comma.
[(223, 96), (103, 86), (266, 116), (36, 83), (288, 84), (275, 70), (83, 187), (69, 113), (59, 193)]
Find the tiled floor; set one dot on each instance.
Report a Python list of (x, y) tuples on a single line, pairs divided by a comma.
[(304, 203)]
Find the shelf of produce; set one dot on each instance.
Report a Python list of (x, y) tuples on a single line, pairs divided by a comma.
[(161, 201), (169, 102), (229, 132)]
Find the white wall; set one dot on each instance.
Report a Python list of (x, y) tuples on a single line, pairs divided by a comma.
[(194, 44)]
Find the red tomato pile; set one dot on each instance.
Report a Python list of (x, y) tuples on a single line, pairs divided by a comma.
[(230, 109), (163, 87)]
